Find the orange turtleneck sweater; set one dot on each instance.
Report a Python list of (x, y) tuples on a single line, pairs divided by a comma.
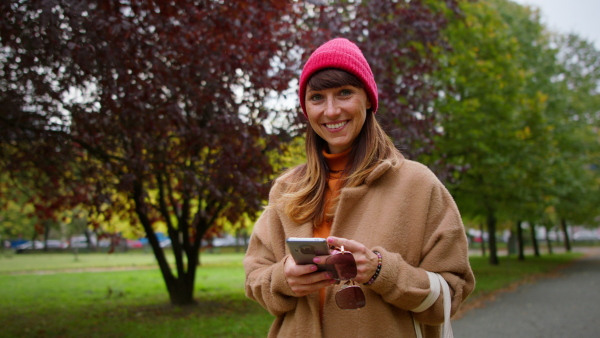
[(336, 163)]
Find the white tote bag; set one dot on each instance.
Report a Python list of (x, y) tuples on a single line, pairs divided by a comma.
[(437, 284)]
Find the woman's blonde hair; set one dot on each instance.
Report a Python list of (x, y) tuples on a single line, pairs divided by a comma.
[(304, 197)]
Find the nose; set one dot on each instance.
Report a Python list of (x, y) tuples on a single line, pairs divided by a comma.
[(331, 109)]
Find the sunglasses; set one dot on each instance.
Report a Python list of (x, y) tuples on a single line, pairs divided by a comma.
[(342, 267)]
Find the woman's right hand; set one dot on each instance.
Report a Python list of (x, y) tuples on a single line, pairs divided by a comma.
[(304, 279)]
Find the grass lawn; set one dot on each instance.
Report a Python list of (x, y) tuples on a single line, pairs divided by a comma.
[(492, 278), (54, 295)]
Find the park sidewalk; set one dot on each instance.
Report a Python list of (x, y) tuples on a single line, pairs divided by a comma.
[(564, 305)]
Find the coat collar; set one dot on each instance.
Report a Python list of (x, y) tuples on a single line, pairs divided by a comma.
[(383, 167), (350, 196)]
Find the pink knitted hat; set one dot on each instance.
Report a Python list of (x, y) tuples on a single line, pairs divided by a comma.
[(342, 54)]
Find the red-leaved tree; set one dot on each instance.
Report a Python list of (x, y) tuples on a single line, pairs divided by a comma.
[(160, 102)]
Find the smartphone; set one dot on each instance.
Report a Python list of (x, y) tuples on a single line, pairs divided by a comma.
[(303, 250)]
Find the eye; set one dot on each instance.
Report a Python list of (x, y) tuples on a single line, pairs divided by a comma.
[(345, 92), (316, 97)]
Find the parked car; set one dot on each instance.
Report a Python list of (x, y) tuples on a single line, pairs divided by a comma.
[(134, 243), (165, 243), (56, 244), (586, 235), (37, 245), (163, 240), (228, 240), (79, 243), (29, 245)]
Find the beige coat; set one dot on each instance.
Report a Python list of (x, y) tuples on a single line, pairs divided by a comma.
[(402, 211)]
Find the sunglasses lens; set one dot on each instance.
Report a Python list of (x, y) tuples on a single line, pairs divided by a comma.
[(350, 298), (342, 266)]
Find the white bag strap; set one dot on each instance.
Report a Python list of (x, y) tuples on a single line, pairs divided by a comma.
[(447, 329), (434, 293), (436, 280)]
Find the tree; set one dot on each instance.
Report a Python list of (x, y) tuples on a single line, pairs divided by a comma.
[(24, 214), (575, 120), (17, 219), (162, 103), (519, 118), (530, 172), (479, 114)]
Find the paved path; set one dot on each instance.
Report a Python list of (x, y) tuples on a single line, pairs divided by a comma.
[(565, 306)]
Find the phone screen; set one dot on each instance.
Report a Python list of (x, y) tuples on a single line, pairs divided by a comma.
[(303, 250)]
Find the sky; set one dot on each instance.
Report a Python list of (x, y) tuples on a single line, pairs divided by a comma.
[(570, 16)]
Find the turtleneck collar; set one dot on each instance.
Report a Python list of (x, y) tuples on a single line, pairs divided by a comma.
[(337, 162)]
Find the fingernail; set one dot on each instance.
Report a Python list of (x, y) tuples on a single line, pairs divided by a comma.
[(313, 268), (330, 240), (316, 260)]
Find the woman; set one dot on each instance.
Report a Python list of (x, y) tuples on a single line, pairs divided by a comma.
[(359, 192)]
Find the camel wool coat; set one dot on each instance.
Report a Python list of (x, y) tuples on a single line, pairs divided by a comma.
[(403, 211)]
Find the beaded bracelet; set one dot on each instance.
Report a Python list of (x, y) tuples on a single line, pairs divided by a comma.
[(372, 280)]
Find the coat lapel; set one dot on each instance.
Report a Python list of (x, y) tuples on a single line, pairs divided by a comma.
[(347, 216)]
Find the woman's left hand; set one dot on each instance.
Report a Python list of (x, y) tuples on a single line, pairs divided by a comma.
[(366, 260)]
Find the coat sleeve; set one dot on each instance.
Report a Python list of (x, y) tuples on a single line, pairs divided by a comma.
[(264, 264), (444, 249)]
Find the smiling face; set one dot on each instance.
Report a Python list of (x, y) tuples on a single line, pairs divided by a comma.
[(337, 114)]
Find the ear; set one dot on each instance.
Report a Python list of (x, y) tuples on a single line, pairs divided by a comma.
[(368, 104)]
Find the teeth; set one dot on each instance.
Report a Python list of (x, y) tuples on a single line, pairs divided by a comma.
[(335, 126)]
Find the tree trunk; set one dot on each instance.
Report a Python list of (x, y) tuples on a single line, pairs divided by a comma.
[(46, 235), (563, 225), (238, 247), (520, 241), (536, 249), (491, 225), (549, 242), (76, 254), (88, 239), (180, 288), (511, 244), (481, 229)]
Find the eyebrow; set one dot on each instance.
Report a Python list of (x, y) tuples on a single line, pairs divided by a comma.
[(308, 89)]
